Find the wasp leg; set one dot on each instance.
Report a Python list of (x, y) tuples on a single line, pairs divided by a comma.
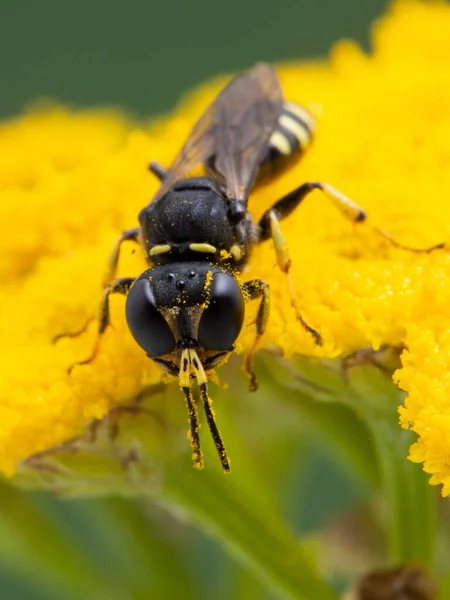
[(256, 289), (343, 203), (113, 260), (119, 286), (73, 334), (158, 170), (270, 228)]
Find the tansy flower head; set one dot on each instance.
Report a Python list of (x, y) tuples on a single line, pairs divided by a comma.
[(70, 183)]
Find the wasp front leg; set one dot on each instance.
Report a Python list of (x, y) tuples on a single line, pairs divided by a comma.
[(119, 286), (253, 290)]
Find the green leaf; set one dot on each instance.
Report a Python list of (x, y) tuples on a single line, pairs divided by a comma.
[(35, 548), (333, 422), (379, 454), (128, 548)]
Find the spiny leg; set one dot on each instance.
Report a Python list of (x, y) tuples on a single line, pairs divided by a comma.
[(207, 406), (158, 170), (119, 286), (194, 425), (113, 260), (256, 289)]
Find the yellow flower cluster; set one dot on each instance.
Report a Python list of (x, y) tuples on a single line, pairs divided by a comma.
[(71, 182)]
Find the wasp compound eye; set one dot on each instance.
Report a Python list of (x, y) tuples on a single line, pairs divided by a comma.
[(146, 323), (222, 319)]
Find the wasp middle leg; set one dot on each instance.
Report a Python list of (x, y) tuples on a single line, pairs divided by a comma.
[(256, 289), (269, 228), (119, 286)]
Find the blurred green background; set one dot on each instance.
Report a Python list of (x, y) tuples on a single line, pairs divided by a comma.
[(142, 56)]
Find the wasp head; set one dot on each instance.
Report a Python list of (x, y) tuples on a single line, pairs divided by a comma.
[(186, 305), (187, 316)]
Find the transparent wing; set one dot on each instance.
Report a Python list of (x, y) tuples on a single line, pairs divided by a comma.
[(245, 114), (198, 148), (233, 133)]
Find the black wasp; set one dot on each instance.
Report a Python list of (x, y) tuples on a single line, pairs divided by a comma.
[(187, 309)]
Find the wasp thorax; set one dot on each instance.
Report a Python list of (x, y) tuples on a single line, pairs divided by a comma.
[(183, 304)]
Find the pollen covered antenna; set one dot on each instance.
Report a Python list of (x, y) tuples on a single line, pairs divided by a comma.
[(207, 406), (193, 434)]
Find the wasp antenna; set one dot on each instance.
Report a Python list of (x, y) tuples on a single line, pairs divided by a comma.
[(207, 406), (193, 434), (221, 451)]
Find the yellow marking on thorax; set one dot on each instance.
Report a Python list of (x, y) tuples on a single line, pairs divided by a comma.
[(301, 113), (281, 143), (207, 248), (159, 249), (294, 127)]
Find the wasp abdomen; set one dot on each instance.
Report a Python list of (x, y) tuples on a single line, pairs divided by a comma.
[(292, 135)]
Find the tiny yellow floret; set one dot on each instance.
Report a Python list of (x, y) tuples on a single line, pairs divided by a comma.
[(71, 182)]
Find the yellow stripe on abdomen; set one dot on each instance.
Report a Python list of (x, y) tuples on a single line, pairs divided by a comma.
[(302, 114), (301, 133), (280, 143)]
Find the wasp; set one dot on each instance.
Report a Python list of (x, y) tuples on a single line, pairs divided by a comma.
[(187, 309)]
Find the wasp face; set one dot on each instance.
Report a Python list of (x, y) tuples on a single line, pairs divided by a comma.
[(192, 305)]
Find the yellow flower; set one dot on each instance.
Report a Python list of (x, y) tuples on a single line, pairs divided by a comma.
[(70, 183)]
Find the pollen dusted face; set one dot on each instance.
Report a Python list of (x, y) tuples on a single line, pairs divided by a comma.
[(185, 305), (186, 316)]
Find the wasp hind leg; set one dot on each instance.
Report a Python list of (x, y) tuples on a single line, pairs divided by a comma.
[(119, 286), (270, 228), (256, 289), (343, 203), (352, 211)]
